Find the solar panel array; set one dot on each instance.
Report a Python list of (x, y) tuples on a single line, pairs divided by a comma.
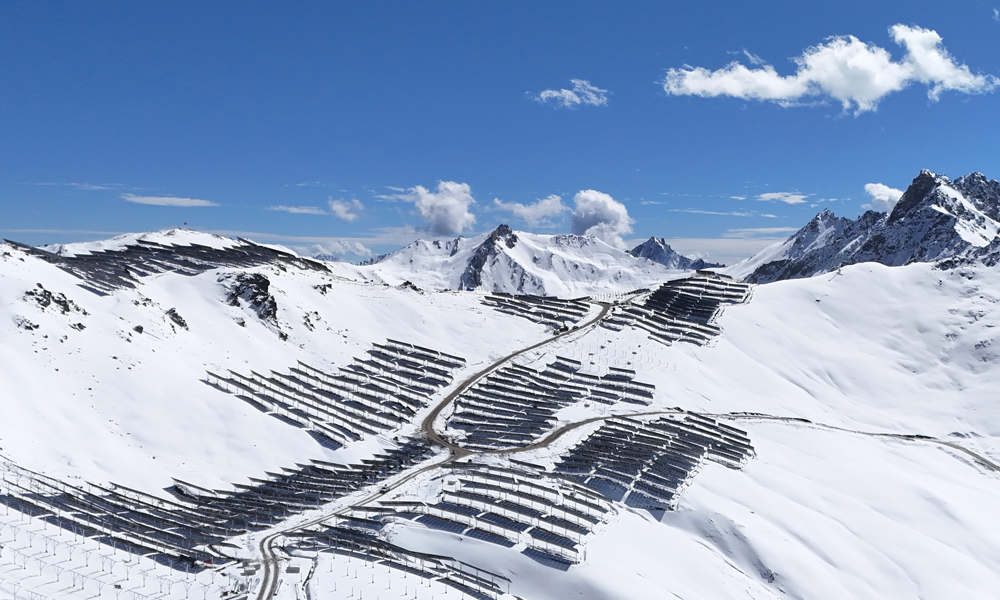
[(647, 464), (549, 517), (683, 309), (196, 524), (516, 404), (110, 270), (547, 310), (378, 392)]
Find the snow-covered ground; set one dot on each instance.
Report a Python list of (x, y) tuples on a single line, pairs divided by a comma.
[(107, 403), (825, 509)]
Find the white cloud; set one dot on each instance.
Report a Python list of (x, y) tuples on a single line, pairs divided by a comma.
[(309, 184), (89, 186), (583, 93), (299, 210), (446, 211), (338, 248), (344, 209), (883, 197), (167, 201), (996, 15), (844, 68), (786, 197), (534, 214), (598, 214), (711, 212), (753, 58), (738, 197), (757, 232)]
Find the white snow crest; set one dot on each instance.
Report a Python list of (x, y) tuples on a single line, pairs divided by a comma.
[(972, 224)]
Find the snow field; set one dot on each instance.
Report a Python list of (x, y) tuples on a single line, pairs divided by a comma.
[(136, 401), (816, 514)]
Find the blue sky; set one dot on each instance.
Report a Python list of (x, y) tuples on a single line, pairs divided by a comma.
[(359, 126)]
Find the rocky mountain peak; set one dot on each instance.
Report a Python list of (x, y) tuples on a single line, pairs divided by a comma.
[(505, 234), (659, 251), (936, 219)]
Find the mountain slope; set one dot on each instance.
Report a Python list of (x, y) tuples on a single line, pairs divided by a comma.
[(936, 219), (516, 262), (659, 251), (859, 395), (119, 370)]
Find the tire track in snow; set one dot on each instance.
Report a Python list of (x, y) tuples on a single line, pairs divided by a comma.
[(909, 437)]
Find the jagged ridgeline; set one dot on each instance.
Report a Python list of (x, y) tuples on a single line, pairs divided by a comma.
[(659, 251), (519, 262), (936, 220)]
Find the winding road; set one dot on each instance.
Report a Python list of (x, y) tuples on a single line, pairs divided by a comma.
[(268, 544), (272, 562), (428, 423)]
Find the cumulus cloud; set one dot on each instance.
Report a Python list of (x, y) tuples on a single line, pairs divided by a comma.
[(844, 68), (786, 197), (166, 201), (345, 209), (583, 93), (446, 211), (534, 214), (883, 197), (598, 214)]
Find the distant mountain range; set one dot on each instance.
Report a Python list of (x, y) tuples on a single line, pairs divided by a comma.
[(505, 260), (935, 220), (502, 260)]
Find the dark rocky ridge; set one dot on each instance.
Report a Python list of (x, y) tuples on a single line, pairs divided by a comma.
[(659, 251), (473, 275), (255, 290), (924, 226)]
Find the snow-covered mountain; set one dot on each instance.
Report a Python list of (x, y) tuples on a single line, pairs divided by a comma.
[(659, 251), (175, 398), (936, 219), (517, 262)]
